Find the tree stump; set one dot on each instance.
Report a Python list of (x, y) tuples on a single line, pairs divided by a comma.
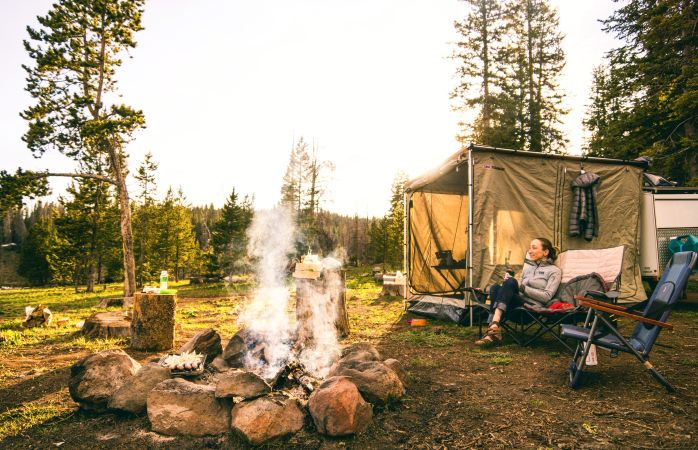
[(112, 324), (330, 290), (153, 323)]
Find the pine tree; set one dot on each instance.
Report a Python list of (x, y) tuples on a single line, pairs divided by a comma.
[(477, 75), (36, 252), (228, 234), (145, 213), (294, 183), (653, 81), (75, 53)]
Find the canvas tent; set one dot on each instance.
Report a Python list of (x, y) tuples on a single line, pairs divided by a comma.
[(476, 214)]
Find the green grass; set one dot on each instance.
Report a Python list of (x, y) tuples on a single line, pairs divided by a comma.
[(20, 419), (425, 338), (690, 362)]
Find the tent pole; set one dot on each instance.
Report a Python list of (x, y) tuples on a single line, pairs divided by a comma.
[(470, 232), (405, 246)]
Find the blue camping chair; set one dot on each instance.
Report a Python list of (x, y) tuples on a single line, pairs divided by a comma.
[(603, 333)]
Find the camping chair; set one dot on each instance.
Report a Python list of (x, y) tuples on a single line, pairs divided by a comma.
[(530, 322), (603, 333), (584, 272)]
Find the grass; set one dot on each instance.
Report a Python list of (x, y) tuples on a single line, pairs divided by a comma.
[(18, 420)]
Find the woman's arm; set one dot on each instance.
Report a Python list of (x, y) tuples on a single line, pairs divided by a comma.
[(545, 295)]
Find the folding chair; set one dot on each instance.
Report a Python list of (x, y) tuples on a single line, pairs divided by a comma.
[(584, 272), (581, 270), (603, 333)]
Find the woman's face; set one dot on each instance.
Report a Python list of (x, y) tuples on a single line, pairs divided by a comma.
[(536, 252)]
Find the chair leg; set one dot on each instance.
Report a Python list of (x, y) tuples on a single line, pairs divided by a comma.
[(579, 361), (655, 374)]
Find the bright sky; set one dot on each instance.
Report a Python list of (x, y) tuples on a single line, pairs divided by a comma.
[(226, 87)]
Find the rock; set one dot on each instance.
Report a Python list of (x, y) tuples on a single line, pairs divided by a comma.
[(111, 302), (207, 342), (40, 315), (234, 352), (399, 370), (338, 409), (218, 364), (377, 382), (132, 396), (177, 406), (240, 383), (95, 378), (267, 418), (361, 350), (112, 324), (353, 356)]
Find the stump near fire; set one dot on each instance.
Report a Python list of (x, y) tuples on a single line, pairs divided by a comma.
[(153, 323), (315, 283)]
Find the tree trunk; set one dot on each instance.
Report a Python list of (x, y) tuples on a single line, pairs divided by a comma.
[(126, 230)]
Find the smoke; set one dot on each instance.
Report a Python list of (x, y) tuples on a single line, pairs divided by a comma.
[(271, 242), (271, 238)]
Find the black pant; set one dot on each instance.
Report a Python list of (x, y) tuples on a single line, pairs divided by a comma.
[(505, 296)]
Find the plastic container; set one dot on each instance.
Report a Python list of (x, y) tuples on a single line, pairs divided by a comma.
[(163, 280), (417, 322)]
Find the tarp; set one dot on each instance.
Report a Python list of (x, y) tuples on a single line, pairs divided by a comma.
[(516, 197)]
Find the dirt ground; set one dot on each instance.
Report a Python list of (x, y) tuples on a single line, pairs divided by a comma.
[(459, 396)]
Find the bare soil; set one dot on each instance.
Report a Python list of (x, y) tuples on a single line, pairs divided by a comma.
[(459, 396)]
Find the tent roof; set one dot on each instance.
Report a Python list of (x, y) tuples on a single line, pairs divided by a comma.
[(448, 177)]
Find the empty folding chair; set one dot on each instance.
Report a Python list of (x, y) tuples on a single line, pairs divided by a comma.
[(601, 332)]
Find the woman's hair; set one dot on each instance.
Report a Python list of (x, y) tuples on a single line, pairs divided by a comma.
[(547, 245)]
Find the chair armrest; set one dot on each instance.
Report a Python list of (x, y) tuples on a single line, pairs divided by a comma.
[(619, 311), (611, 296)]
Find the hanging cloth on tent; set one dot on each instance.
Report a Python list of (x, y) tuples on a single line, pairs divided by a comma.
[(584, 218)]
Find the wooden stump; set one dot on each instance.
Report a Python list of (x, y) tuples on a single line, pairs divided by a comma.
[(331, 287), (153, 323), (112, 324)]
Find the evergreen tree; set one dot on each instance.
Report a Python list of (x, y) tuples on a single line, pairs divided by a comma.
[(653, 81), (75, 53), (36, 252), (145, 213), (477, 75), (295, 179), (511, 58), (228, 234)]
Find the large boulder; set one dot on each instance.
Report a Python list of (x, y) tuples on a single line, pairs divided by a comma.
[(267, 418), (177, 406), (132, 396), (240, 383), (377, 382), (207, 342), (338, 409), (94, 378)]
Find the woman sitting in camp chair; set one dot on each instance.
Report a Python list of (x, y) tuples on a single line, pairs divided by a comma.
[(540, 279)]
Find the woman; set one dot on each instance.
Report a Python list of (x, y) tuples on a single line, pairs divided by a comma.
[(540, 279)]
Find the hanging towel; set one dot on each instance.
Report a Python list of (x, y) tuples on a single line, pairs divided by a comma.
[(584, 218)]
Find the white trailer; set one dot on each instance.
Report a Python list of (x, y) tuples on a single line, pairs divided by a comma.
[(665, 213)]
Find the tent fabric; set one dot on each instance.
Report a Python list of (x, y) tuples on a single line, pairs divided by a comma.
[(438, 307), (517, 196)]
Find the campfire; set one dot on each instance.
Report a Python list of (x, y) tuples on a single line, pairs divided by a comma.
[(271, 373)]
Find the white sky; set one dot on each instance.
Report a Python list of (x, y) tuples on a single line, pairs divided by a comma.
[(226, 87)]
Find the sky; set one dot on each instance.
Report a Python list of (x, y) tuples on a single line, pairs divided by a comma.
[(227, 86)]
